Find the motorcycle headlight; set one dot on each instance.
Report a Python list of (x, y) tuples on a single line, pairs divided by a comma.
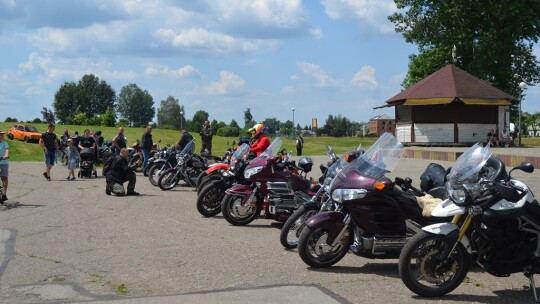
[(340, 195), (249, 172)]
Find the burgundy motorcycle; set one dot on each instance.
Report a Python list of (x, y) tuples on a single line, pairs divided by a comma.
[(273, 185), (373, 218)]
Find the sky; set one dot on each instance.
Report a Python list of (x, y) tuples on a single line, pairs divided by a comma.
[(318, 57)]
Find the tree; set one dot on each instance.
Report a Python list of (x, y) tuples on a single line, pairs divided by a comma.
[(169, 113), (272, 124), (90, 95), (198, 121), (248, 119), (48, 116), (136, 105), (108, 119), (494, 39), (234, 124)]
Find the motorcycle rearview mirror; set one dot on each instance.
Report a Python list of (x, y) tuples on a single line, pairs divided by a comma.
[(525, 167)]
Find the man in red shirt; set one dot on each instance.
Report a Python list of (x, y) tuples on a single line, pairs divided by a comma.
[(260, 139)]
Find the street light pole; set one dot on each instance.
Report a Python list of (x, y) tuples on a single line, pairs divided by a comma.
[(181, 118), (522, 86), (293, 121)]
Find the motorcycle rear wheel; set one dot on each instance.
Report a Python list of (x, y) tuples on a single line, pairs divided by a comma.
[(209, 200), (236, 212), (314, 250), (423, 271), (168, 180), (290, 232)]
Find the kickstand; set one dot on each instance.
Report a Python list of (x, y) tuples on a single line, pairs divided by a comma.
[(533, 286)]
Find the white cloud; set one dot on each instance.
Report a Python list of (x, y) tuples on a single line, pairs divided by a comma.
[(365, 78), (372, 12), (316, 33), (275, 13), (187, 71), (202, 40), (227, 82), (322, 79)]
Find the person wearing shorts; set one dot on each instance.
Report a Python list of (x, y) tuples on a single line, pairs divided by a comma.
[(4, 167), (49, 143)]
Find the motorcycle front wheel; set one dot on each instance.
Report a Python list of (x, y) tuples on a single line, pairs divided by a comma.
[(206, 180), (237, 212), (428, 274), (168, 180), (155, 172), (290, 232), (316, 252), (209, 200)]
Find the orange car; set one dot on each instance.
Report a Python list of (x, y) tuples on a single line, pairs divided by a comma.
[(24, 132)]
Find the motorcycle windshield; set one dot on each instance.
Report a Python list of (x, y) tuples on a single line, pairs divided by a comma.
[(467, 167), (382, 157), (240, 153), (273, 149), (189, 148)]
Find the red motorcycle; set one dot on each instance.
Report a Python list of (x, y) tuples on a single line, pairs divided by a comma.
[(273, 185)]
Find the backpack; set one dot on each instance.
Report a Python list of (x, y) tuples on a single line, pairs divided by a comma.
[(108, 164)]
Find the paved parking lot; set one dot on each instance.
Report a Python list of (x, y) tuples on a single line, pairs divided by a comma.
[(66, 241)]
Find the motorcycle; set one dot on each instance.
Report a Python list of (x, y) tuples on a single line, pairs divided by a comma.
[(273, 184), (209, 198), (189, 166), (501, 228), (373, 216), (165, 160), (320, 202), (213, 172)]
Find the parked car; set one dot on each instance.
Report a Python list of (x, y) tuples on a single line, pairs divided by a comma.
[(24, 132)]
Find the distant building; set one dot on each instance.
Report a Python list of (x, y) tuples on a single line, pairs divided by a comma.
[(381, 124), (533, 131)]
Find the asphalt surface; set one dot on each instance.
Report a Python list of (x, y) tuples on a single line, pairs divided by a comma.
[(66, 241)]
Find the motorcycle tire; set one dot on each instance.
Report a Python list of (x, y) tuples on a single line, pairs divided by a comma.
[(420, 260), (290, 232), (209, 200), (313, 248), (207, 180), (155, 172), (201, 176), (168, 180), (236, 212), (147, 169)]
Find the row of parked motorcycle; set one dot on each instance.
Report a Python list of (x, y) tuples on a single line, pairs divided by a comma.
[(474, 211)]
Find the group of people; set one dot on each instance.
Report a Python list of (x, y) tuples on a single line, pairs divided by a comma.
[(119, 170)]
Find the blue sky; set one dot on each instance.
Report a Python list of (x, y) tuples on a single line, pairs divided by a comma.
[(321, 56)]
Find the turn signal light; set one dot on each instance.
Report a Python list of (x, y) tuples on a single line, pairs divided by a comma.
[(379, 186)]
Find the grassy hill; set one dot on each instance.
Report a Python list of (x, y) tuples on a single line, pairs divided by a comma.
[(21, 151)]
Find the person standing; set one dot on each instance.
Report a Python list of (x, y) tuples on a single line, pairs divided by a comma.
[(49, 143), (146, 145), (121, 172), (4, 165), (119, 141), (184, 140), (299, 144), (73, 158), (206, 137)]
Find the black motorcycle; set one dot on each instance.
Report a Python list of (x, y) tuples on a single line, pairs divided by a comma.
[(189, 166)]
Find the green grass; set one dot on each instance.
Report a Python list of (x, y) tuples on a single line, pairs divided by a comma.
[(21, 151)]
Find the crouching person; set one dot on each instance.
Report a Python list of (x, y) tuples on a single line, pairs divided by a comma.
[(119, 173)]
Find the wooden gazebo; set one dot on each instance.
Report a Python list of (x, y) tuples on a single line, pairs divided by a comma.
[(450, 107)]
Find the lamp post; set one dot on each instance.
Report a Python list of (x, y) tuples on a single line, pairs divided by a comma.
[(181, 117), (293, 127), (522, 86)]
